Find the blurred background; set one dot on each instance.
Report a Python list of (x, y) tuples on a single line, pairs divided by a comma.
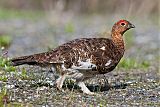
[(109, 7)]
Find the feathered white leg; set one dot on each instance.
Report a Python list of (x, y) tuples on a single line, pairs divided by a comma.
[(84, 88), (60, 81)]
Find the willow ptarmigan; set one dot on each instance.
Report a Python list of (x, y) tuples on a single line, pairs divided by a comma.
[(83, 58)]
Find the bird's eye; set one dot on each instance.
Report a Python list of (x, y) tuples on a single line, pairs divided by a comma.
[(123, 24)]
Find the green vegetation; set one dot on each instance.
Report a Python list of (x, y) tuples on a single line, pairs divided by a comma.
[(5, 68), (4, 100), (129, 38), (132, 63), (3, 96), (69, 28), (5, 40), (5, 65), (23, 14)]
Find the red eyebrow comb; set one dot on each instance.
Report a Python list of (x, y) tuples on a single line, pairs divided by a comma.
[(121, 21)]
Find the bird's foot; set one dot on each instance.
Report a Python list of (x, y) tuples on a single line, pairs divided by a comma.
[(59, 82), (85, 89), (59, 87)]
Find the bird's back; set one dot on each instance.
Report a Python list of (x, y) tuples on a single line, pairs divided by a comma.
[(100, 53)]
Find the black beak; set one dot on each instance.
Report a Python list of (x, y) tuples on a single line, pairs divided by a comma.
[(131, 25)]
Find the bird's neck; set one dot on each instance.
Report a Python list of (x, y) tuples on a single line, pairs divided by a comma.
[(117, 39)]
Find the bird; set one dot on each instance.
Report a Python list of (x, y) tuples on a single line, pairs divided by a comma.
[(82, 58)]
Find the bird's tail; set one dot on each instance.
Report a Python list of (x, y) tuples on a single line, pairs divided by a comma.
[(40, 59), (23, 60)]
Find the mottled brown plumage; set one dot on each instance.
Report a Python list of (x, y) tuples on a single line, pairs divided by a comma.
[(82, 58)]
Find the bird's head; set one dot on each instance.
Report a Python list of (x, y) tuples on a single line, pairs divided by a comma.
[(122, 26)]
